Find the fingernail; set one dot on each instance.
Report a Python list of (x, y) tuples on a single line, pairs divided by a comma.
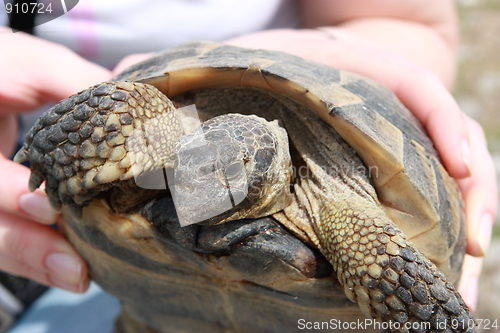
[(466, 154), (37, 206), (472, 292), (65, 267), (484, 232), (77, 288)]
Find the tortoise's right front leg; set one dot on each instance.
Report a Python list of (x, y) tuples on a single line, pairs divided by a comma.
[(107, 133)]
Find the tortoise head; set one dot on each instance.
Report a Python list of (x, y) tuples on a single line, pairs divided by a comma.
[(229, 168)]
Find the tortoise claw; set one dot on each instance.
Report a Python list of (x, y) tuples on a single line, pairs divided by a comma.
[(21, 156)]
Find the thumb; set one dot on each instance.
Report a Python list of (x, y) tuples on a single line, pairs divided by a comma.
[(69, 75), (30, 79)]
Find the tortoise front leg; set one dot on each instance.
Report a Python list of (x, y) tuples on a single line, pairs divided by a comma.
[(380, 269)]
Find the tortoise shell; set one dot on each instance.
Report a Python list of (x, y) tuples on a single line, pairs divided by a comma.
[(250, 275)]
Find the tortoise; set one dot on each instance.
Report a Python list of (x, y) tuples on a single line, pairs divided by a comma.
[(220, 189)]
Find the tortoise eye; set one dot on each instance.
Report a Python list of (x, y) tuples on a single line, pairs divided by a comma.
[(233, 170)]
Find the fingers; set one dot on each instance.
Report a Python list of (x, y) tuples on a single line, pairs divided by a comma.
[(30, 249), (433, 105), (30, 79), (469, 282), (479, 192), (38, 252), (16, 197)]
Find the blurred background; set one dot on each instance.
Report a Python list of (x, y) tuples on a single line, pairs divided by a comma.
[(478, 94)]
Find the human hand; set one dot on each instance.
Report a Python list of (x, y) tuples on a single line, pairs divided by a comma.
[(29, 246), (129, 61), (35, 72), (458, 139)]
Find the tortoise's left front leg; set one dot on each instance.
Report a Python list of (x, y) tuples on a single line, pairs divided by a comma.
[(380, 269)]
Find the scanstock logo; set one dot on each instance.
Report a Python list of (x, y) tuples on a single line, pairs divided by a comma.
[(25, 14)]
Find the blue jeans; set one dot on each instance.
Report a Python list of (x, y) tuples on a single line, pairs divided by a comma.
[(59, 311)]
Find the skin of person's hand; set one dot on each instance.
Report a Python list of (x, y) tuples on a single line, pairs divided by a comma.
[(35, 72), (480, 196)]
